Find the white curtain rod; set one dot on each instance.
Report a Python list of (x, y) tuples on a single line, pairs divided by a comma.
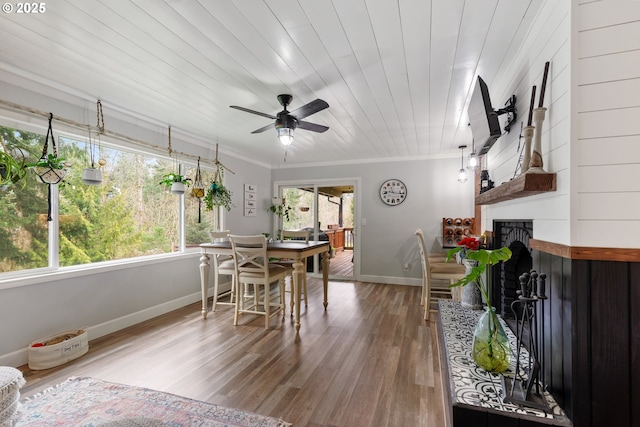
[(80, 126)]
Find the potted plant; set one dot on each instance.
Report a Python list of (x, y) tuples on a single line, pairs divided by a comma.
[(11, 169), (176, 182), (50, 168), (217, 195), (280, 208), (491, 350)]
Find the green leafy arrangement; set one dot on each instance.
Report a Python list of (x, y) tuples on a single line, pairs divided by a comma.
[(484, 258), (217, 194), (170, 178), (282, 210), (51, 161), (11, 170)]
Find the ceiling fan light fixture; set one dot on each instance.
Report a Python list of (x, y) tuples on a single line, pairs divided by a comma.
[(285, 135)]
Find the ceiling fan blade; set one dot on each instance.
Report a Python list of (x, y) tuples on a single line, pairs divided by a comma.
[(312, 127), (246, 110), (309, 109), (262, 129)]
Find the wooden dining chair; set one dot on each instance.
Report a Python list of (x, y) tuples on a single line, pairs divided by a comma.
[(440, 257), (259, 283), (222, 265), (302, 235), (446, 273)]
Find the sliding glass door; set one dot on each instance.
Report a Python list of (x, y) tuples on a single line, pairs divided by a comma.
[(328, 210)]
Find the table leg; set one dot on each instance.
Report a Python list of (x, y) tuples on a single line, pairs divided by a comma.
[(297, 277), (325, 277), (204, 282)]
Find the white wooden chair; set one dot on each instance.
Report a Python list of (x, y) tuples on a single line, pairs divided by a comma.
[(448, 273), (302, 235), (259, 284), (222, 265)]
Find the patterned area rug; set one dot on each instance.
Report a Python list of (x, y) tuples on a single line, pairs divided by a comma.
[(83, 401)]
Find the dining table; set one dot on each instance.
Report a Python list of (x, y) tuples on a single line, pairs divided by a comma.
[(294, 250)]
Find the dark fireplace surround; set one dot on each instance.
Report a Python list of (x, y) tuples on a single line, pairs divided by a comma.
[(514, 234)]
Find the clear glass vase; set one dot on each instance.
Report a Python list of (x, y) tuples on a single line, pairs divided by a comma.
[(491, 349)]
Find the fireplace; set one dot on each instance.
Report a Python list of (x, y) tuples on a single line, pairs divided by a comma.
[(514, 234)]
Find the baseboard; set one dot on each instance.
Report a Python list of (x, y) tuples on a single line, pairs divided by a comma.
[(20, 357), (387, 280)]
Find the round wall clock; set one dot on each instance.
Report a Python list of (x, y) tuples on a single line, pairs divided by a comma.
[(393, 192)]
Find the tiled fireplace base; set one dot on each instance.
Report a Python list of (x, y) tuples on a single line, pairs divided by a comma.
[(473, 394)]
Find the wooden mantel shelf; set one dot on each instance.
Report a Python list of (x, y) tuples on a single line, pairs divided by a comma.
[(522, 186)]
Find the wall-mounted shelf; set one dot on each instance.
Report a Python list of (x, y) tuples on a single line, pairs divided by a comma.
[(522, 186)]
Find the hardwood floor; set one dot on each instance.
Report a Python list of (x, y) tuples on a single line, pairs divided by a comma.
[(369, 360), (342, 264)]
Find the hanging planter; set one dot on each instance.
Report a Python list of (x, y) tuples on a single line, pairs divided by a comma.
[(50, 168), (93, 175), (218, 194), (178, 188), (198, 189), (175, 182), (198, 192)]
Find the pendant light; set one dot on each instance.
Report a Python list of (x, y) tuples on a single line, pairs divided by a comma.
[(462, 175), (473, 162)]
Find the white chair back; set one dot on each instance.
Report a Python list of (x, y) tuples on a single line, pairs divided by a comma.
[(295, 235), (250, 254), (255, 275), (219, 236)]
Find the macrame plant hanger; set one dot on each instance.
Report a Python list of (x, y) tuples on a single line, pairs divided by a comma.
[(217, 180), (198, 190), (48, 174), (100, 126)]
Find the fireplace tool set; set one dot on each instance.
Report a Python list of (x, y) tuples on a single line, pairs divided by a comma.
[(525, 387)]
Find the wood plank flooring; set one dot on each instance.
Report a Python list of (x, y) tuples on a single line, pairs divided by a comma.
[(342, 264), (368, 360)]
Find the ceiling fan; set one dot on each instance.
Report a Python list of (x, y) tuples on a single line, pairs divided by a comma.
[(287, 121)]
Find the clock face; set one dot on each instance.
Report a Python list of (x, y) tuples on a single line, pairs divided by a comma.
[(393, 192)]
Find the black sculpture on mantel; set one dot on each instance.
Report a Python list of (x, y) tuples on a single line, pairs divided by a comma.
[(526, 387)]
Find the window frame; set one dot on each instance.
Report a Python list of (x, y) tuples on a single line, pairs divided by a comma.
[(18, 278)]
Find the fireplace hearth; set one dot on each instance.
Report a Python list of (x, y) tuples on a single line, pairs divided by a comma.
[(515, 234)]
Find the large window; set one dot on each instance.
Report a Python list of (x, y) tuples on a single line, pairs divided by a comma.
[(128, 215)]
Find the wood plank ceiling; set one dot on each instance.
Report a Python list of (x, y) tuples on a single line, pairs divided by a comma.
[(397, 74)]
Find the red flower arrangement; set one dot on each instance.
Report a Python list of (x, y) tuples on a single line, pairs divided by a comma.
[(470, 243)]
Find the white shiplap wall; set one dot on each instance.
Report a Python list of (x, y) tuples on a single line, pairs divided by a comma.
[(548, 40), (591, 134), (606, 190)]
